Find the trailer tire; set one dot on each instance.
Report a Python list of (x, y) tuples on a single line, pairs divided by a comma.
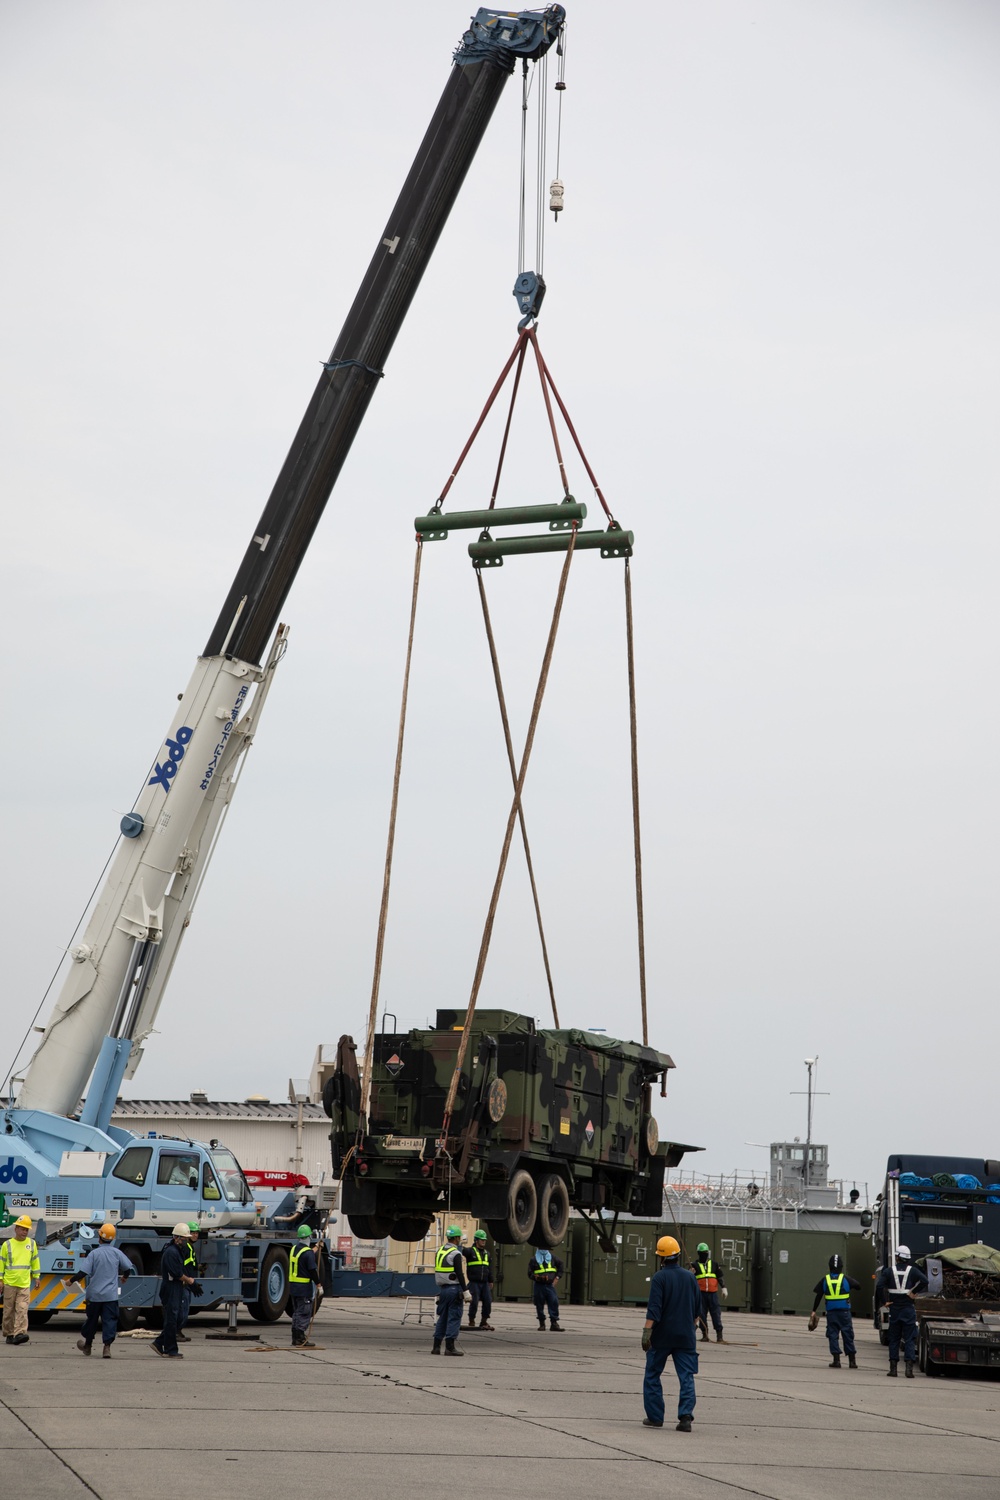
[(39, 1319), (522, 1211), (411, 1229), (273, 1285), (883, 1335), (370, 1226), (552, 1219)]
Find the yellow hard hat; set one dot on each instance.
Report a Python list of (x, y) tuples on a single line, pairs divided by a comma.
[(667, 1246), (23, 1222), (106, 1232)]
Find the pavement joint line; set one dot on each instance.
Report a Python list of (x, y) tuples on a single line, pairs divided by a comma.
[(47, 1446)]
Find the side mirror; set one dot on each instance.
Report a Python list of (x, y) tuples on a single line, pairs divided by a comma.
[(866, 1219)]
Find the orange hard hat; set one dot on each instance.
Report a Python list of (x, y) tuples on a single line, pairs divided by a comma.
[(667, 1247), (106, 1232)]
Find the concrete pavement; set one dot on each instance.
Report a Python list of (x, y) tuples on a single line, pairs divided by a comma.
[(524, 1414)]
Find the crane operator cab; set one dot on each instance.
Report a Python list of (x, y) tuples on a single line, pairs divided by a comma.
[(158, 1181)]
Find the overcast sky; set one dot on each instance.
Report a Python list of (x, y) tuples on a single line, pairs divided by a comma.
[(773, 314)]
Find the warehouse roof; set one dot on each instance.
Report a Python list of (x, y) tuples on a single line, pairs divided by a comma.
[(212, 1109)]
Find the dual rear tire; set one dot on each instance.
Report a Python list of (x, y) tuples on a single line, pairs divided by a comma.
[(537, 1212)]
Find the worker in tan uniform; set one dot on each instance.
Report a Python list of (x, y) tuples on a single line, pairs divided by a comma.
[(20, 1272)]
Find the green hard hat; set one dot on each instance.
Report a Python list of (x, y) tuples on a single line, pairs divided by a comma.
[(304, 1232), (703, 1249), (454, 1233), (480, 1234), (193, 1227)]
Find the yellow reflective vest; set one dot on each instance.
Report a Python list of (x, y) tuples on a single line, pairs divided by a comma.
[(707, 1279), (19, 1263), (837, 1295)]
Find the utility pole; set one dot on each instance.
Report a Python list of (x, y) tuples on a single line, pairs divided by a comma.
[(811, 1093)]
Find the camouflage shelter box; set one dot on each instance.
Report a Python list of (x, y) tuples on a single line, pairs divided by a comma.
[(544, 1120)]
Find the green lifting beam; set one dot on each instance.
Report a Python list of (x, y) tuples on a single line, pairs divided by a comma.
[(486, 553), (436, 526)]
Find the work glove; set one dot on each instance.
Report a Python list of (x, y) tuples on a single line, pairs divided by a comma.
[(725, 1294), (197, 1290), (647, 1335), (813, 1321)]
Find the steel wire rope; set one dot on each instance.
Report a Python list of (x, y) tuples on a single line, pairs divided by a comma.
[(79, 923), (366, 1075), (636, 839), (540, 174), (484, 946), (561, 86), (513, 773)]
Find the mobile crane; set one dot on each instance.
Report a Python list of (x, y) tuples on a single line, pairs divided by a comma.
[(66, 1164)]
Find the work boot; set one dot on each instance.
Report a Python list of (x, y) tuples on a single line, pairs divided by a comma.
[(541, 1325), (556, 1327), (852, 1363), (703, 1330), (437, 1347), (909, 1369), (306, 1344), (20, 1338), (297, 1339), (648, 1422), (82, 1344), (718, 1336), (835, 1362), (684, 1424), (471, 1323), (892, 1368), (449, 1348), (105, 1352), (182, 1338), (9, 1338), (487, 1326)]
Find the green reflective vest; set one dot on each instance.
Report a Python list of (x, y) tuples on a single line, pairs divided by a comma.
[(190, 1259), (19, 1263), (836, 1294), (478, 1257), (444, 1265), (293, 1265)]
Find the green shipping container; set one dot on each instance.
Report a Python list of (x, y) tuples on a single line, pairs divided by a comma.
[(787, 1265)]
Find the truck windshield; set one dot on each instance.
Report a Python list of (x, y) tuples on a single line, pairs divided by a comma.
[(234, 1184)]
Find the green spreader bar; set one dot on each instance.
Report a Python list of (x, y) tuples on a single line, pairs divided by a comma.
[(436, 526), (486, 553)]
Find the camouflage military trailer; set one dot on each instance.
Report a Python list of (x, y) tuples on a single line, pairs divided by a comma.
[(543, 1121)]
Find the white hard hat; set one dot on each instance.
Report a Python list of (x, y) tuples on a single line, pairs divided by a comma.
[(181, 1231), (903, 1252)]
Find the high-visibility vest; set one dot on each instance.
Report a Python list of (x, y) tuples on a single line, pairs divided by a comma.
[(444, 1265), (900, 1291), (293, 1266), (190, 1260), (544, 1267), (707, 1279), (19, 1263), (837, 1295), (478, 1257)]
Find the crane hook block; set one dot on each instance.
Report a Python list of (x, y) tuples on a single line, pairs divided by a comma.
[(529, 290)]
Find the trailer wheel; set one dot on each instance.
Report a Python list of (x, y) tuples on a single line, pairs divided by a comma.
[(39, 1319), (552, 1220), (522, 1210), (273, 1287), (410, 1230), (370, 1226), (883, 1335)]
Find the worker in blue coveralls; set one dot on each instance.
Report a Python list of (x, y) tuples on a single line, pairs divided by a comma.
[(449, 1278), (898, 1284), (837, 1287), (545, 1269), (671, 1314), (105, 1268), (303, 1284)]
